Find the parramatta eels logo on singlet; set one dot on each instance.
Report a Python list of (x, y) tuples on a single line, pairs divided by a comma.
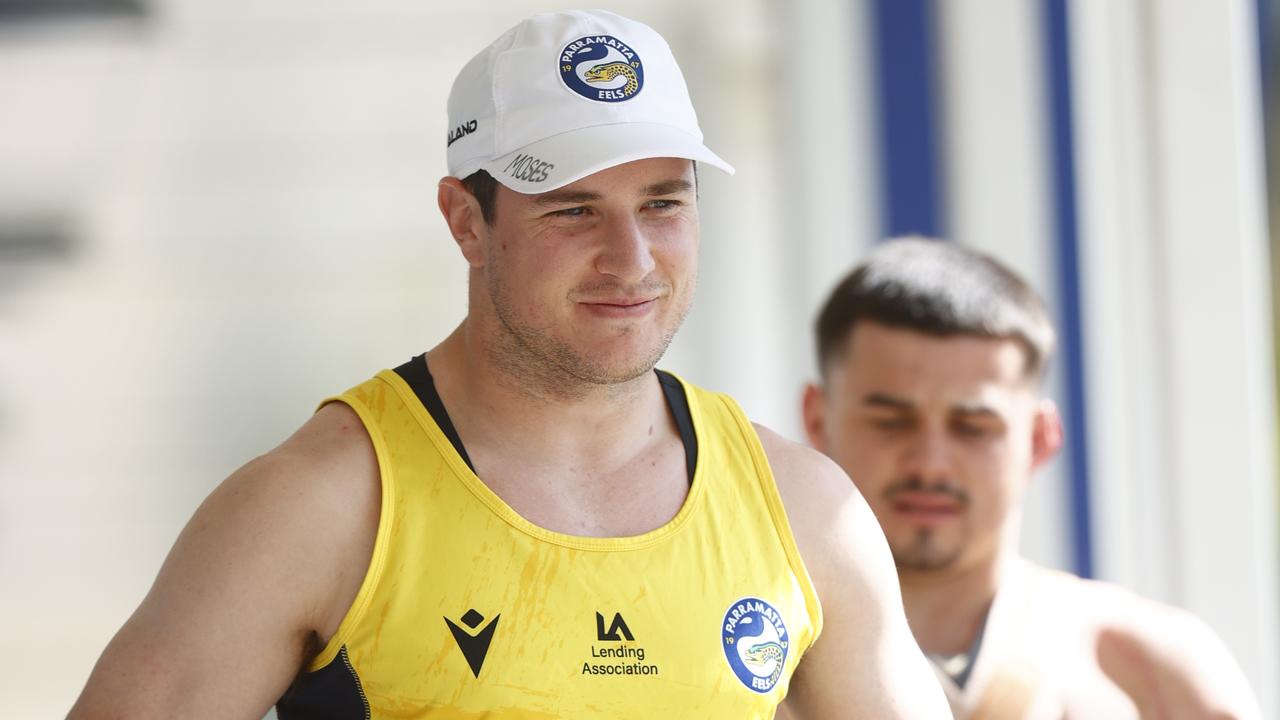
[(602, 68), (755, 643)]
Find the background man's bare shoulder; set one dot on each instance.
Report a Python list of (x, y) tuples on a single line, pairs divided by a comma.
[(1168, 661), (260, 576)]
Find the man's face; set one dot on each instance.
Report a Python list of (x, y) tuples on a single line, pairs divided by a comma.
[(593, 279), (941, 434)]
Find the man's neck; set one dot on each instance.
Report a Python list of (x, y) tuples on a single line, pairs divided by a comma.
[(947, 608), (490, 406)]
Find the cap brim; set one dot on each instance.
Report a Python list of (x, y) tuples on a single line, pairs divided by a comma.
[(561, 159)]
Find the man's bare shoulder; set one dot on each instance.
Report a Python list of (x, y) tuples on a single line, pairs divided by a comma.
[(1167, 660), (330, 453), (826, 512), (809, 481), (831, 521), (319, 489), (1105, 605)]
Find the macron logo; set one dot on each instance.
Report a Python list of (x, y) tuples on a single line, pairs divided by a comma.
[(473, 647)]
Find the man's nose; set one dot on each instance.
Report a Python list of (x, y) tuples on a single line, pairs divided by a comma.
[(929, 458), (625, 253)]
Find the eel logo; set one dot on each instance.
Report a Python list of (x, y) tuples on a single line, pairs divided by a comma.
[(755, 643), (473, 647), (601, 68), (617, 629)]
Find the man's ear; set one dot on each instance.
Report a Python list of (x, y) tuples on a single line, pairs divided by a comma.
[(1046, 434), (814, 410), (466, 223)]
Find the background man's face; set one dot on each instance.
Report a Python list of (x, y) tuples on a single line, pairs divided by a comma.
[(940, 434), (592, 280)]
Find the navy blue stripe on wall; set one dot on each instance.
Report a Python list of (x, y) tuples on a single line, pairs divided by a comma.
[(1058, 65), (910, 185), (1266, 21), (1268, 27)]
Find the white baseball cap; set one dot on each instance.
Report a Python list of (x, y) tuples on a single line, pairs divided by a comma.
[(563, 95)]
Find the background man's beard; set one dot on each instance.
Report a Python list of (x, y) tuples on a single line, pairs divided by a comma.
[(925, 550), (924, 553)]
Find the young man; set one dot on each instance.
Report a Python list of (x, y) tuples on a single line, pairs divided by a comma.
[(528, 521), (931, 361)]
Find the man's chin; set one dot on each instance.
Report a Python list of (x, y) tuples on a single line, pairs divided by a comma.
[(925, 555), (603, 364)]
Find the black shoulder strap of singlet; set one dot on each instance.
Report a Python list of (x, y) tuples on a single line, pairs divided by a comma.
[(678, 404), (418, 377)]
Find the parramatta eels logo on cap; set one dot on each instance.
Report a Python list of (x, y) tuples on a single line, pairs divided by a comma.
[(755, 643), (601, 67)]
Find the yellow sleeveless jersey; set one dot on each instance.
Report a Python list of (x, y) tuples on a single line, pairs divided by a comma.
[(470, 611)]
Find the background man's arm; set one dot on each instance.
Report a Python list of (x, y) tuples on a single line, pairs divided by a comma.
[(1172, 665), (866, 663), (263, 571)]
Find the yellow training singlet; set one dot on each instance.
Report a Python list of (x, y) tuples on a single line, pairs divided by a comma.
[(470, 611)]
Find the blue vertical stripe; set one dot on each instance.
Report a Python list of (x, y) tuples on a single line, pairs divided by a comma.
[(910, 182), (1067, 237), (1265, 20)]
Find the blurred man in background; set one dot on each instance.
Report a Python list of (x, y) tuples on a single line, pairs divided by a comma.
[(931, 362), (528, 520)]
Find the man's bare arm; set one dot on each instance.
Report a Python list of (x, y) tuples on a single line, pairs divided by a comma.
[(1172, 665), (263, 572), (866, 663)]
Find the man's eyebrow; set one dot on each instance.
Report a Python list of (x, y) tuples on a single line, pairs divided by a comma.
[(879, 399), (561, 197), (669, 187)]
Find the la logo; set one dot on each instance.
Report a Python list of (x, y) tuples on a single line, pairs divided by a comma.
[(617, 629)]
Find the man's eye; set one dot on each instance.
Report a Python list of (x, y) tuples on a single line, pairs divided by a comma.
[(663, 204), (571, 212), (891, 423), (970, 430)]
